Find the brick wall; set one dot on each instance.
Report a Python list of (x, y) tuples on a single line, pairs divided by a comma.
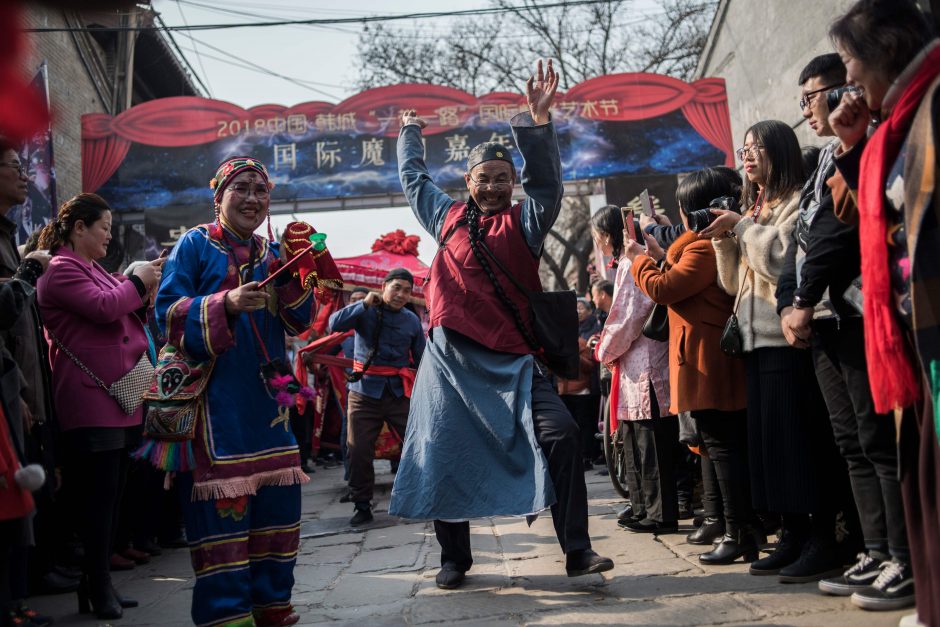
[(71, 93)]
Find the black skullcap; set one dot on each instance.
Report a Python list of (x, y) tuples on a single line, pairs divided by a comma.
[(488, 151), (359, 290), (399, 273)]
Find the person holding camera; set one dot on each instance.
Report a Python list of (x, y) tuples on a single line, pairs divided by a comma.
[(786, 425), (892, 56), (815, 313), (703, 380), (641, 380)]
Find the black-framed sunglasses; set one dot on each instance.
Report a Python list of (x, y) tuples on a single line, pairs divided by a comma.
[(807, 98)]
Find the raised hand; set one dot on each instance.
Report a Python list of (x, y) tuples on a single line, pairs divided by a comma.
[(540, 92), (410, 116), (850, 120)]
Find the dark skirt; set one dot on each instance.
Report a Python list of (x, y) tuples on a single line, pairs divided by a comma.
[(919, 462), (795, 465)]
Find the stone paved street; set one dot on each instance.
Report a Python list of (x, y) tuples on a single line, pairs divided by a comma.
[(384, 575)]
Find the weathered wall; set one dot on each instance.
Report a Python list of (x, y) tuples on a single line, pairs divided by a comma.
[(759, 47), (71, 93)]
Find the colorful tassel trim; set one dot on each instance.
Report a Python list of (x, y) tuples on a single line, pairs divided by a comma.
[(169, 456), (238, 486)]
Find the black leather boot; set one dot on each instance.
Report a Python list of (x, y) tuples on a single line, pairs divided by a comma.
[(736, 543), (787, 552), (711, 529), (96, 595)]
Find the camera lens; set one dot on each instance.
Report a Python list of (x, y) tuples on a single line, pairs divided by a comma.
[(700, 219)]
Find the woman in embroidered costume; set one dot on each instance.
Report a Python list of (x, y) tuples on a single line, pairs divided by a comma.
[(242, 498)]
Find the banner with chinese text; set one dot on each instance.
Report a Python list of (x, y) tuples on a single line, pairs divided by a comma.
[(162, 153)]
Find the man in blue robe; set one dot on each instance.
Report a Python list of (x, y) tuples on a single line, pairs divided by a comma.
[(487, 433)]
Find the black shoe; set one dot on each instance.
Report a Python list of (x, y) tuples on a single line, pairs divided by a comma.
[(362, 516), (449, 577), (586, 562), (626, 514), (124, 602), (734, 545), (711, 530), (686, 512), (859, 576), (649, 526), (819, 559), (698, 521), (787, 552), (346, 498), (305, 466), (588, 465), (892, 590), (100, 599), (55, 583)]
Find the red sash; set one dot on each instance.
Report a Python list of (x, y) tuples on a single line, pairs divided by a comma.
[(407, 374)]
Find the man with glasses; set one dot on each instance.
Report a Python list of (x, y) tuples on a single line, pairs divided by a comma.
[(487, 433), (24, 372), (815, 313)]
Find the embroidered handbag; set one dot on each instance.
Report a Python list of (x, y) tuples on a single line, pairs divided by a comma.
[(657, 324), (732, 342), (176, 395), (127, 391)]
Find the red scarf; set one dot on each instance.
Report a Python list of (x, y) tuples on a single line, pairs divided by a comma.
[(892, 376)]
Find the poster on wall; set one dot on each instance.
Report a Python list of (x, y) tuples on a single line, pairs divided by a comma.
[(160, 155), (36, 157)]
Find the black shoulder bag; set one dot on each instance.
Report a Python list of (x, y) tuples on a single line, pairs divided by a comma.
[(732, 342), (554, 324)]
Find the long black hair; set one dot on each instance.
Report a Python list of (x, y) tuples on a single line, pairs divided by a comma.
[(784, 162), (609, 221), (701, 187)]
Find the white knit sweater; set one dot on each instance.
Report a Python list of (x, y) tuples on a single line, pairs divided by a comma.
[(760, 247)]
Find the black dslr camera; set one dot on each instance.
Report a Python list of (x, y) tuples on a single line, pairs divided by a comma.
[(701, 218), (834, 97)]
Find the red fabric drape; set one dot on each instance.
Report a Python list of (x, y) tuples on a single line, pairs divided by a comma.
[(23, 111), (189, 121), (708, 114)]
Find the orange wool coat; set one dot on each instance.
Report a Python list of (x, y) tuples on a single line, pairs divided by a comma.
[(701, 376)]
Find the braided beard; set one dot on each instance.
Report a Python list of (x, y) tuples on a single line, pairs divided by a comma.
[(472, 215)]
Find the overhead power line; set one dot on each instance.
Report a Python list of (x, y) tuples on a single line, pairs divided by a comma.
[(325, 21)]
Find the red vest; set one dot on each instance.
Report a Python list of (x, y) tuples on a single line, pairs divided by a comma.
[(460, 295)]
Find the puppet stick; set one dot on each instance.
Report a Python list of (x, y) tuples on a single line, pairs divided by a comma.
[(287, 265)]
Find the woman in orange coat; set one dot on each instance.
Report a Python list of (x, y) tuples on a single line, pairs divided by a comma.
[(703, 380)]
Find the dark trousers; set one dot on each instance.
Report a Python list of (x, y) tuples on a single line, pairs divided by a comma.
[(724, 436), (97, 480), (865, 438), (712, 502), (301, 425), (650, 446), (560, 439), (584, 408), (366, 417), (686, 473)]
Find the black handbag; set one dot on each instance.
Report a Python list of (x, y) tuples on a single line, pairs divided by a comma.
[(732, 342), (657, 324), (554, 324)]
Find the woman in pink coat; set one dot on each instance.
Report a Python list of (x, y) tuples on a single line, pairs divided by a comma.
[(643, 385), (99, 320)]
